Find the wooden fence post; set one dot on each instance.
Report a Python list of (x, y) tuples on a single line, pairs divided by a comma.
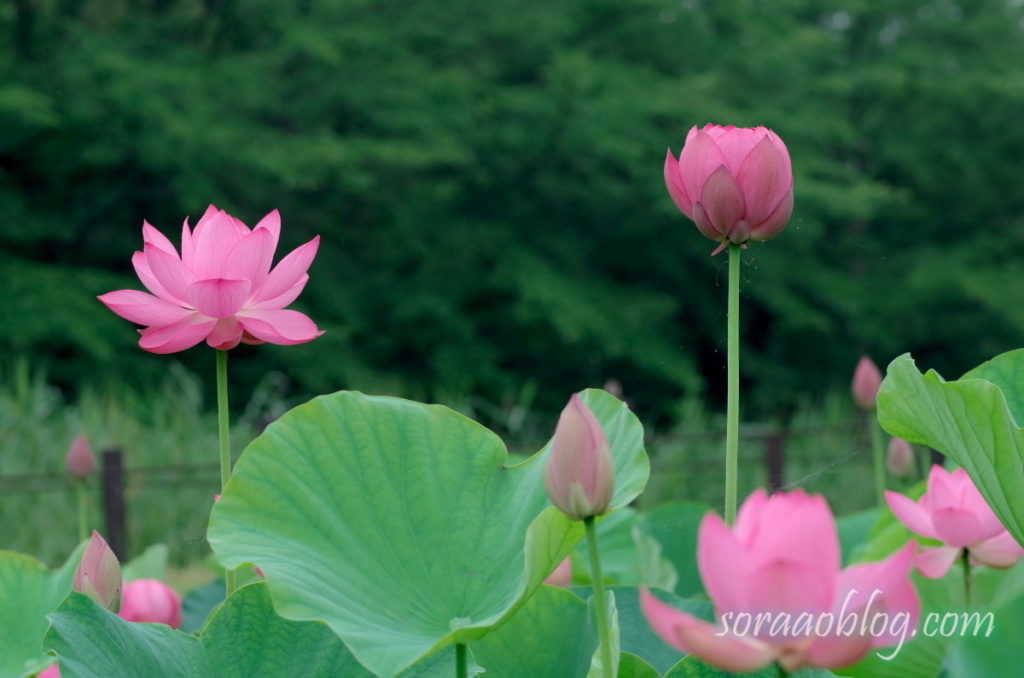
[(113, 503), (775, 460)]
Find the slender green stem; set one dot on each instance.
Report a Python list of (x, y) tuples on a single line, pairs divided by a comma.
[(603, 630), (224, 430), (732, 418), (83, 510), (878, 446), (783, 673), (966, 559), (461, 664)]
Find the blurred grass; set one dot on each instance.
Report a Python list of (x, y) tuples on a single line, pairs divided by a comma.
[(173, 423)]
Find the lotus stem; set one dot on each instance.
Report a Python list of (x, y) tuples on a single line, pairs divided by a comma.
[(83, 510), (966, 559), (732, 417), (603, 629), (461, 663), (224, 431), (878, 447)]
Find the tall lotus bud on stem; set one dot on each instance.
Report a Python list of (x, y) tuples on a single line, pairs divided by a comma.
[(900, 457), (867, 379), (99, 574), (735, 183), (580, 477), (81, 462)]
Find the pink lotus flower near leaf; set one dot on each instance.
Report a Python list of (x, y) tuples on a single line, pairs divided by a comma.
[(781, 562), (735, 183), (81, 462), (954, 512), (580, 475), (867, 379), (899, 457), (99, 574), (562, 575), (220, 288), (150, 600), (51, 671)]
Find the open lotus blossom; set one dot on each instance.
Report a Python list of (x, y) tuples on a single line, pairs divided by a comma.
[(954, 512), (867, 379), (151, 600), (736, 183), (221, 288), (780, 595)]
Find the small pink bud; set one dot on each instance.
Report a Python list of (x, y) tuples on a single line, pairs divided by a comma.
[(99, 574), (866, 382), (51, 671), (80, 460), (900, 458), (580, 476), (150, 600), (562, 576)]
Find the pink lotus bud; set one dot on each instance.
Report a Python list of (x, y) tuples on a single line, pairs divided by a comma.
[(99, 574), (781, 561), (80, 460), (736, 183), (866, 382), (954, 512), (580, 476), (562, 576), (51, 671), (220, 288), (900, 457), (150, 600)]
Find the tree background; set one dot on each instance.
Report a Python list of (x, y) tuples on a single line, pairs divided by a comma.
[(487, 182)]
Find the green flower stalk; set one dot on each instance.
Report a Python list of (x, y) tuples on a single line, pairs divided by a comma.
[(81, 463), (867, 379)]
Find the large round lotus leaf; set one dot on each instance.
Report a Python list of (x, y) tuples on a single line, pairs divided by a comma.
[(397, 523), (28, 592)]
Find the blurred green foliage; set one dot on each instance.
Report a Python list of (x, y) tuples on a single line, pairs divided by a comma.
[(487, 181)]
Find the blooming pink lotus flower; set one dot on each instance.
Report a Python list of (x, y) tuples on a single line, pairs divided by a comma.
[(80, 460), (899, 457), (99, 574), (151, 600), (867, 379), (562, 576), (220, 289), (736, 183), (779, 593), (954, 512), (580, 476)]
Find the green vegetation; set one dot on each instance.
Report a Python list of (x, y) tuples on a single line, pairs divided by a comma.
[(487, 181)]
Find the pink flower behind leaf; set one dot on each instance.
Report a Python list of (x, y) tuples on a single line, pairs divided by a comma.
[(867, 379), (735, 183), (150, 600), (782, 561), (220, 288), (954, 512), (51, 671), (899, 457), (562, 575)]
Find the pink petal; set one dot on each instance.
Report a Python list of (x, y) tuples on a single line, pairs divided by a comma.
[(764, 178), (942, 489), (142, 308), (735, 143), (790, 586), (935, 561), (973, 501), (212, 240), (1001, 551), (722, 200), (271, 223), (183, 334), (776, 221), (722, 563), (884, 586), (911, 514), (288, 271), (219, 297), (226, 334), (704, 225), (700, 157), (250, 258), (562, 575), (674, 182), (279, 327), (287, 297), (833, 652), (187, 249), (747, 518), (169, 272), (799, 528), (145, 274), (957, 526), (152, 236)]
